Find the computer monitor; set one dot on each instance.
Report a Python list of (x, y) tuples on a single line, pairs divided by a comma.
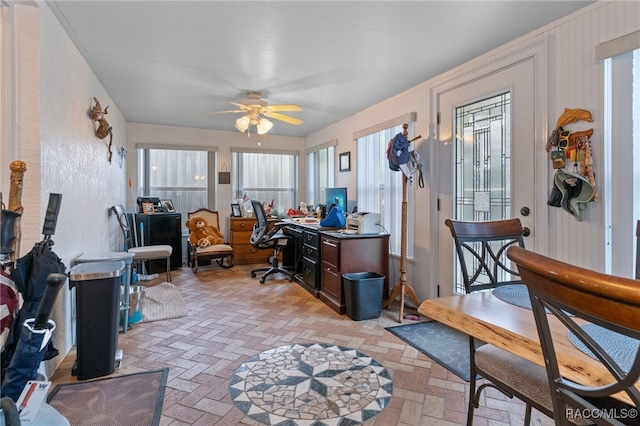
[(337, 196)]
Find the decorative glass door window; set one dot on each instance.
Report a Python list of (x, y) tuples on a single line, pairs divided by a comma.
[(482, 190)]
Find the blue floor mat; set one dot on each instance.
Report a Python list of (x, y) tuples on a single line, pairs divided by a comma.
[(445, 345)]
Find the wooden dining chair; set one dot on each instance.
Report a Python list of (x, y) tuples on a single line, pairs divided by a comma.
[(481, 251), (221, 253), (602, 315)]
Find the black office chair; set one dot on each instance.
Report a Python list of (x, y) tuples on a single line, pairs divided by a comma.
[(601, 313), (263, 237), (481, 249)]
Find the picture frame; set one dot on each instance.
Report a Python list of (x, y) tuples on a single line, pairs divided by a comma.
[(235, 210), (148, 208), (168, 206), (345, 161)]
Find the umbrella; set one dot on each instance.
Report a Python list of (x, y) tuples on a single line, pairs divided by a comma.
[(30, 277), (34, 336)]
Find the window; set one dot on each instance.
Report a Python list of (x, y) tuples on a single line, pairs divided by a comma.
[(320, 174), (266, 177), (621, 180), (380, 188), (184, 176)]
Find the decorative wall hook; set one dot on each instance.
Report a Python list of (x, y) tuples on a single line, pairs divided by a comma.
[(122, 155), (103, 130)]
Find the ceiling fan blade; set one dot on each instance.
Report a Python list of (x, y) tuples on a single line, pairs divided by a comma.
[(241, 106), (222, 112), (284, 108), (285, 118)]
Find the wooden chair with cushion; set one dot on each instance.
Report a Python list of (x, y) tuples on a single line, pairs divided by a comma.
[(602, 316), (142, 253), (481, 251), (221, 253)]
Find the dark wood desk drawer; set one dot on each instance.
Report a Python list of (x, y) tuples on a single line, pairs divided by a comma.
[(330, 251), (310, 252), (310, 238), (331, 281), (309, 272)]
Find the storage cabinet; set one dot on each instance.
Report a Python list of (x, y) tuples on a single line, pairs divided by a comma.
[(303, 254), (240, 237), (349, 254), (310, 258), (161, 228)]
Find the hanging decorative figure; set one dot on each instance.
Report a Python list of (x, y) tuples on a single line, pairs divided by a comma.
[(104, 129)]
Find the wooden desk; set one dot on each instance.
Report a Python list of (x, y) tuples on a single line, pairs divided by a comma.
[(485, 317), (244, 253), (323, 255)]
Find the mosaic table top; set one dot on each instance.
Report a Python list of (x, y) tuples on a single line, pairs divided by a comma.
[(311, 384)]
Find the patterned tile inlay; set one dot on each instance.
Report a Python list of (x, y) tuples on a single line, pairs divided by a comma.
[(311, 384)]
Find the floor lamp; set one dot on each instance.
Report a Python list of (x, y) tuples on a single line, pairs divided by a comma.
[(403, 289)]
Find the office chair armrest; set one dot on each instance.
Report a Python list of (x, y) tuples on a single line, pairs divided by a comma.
[(276, 228)]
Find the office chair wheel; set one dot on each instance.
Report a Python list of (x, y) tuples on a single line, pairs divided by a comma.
[(253, 274), (262, 280)]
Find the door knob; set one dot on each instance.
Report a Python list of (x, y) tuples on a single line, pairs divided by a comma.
[(526, 231), (525, 211)]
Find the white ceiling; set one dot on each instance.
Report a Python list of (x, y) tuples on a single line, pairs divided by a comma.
[(168, 62)]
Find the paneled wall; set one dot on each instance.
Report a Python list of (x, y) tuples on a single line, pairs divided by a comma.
[(574, 80)]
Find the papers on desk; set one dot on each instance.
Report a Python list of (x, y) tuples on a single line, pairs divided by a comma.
[(306, 220)]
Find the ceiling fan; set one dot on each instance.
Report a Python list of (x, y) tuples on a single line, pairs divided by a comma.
[(256, 109)]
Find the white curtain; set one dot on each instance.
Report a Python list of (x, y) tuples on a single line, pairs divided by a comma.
[(380, 188)]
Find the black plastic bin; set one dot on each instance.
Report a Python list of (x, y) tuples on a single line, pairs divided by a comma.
[(363, 295), (97, 314)]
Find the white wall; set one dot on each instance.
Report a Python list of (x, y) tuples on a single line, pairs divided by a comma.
[(53, 129), (575, 80), (55, 137)]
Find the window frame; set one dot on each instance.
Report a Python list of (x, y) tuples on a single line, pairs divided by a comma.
[(144, 173), (391, 187), (238, 189)]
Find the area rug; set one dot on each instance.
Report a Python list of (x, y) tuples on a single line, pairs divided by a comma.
[(132, 399), (445, 345), (311, 384), (163, 301)]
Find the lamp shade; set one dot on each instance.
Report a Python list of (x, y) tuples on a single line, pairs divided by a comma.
[(242, 123), (264, 126)]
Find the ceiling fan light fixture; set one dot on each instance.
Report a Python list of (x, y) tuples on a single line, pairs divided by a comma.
[(242, 123), (264, 126)]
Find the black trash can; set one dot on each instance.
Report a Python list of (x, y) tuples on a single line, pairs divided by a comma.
[(363, 295), (97, 313)]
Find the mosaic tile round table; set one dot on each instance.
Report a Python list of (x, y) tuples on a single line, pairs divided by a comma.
[(311, 384)]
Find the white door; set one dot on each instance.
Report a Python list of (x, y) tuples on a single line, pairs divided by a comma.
[(486, 157)]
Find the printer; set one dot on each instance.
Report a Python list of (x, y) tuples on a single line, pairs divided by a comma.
[(364, 223)]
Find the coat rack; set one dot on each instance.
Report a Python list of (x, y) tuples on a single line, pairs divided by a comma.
[(403, 289)]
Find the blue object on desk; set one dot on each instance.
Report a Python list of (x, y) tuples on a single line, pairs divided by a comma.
[(335, 218)]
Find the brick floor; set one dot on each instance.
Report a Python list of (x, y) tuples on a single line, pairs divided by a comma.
[(233, 317)]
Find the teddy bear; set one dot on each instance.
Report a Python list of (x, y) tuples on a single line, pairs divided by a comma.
[(202, 234)]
